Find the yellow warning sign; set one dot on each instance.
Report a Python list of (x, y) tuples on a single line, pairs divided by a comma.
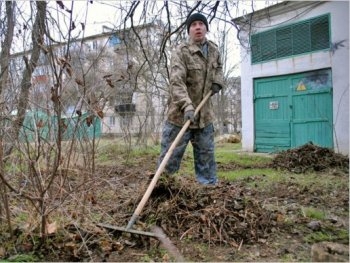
[(301, 86)]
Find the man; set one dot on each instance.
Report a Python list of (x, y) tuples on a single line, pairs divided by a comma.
[(196, 69)]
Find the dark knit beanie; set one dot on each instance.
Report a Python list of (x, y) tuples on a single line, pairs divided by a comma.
[(196, 17)]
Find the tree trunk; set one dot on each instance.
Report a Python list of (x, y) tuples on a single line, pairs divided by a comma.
[(6, 45), (37, 40), (4, 62)]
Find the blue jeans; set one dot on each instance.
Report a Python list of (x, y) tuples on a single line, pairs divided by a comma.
[(202, 141)]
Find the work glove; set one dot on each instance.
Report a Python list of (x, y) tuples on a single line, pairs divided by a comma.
[(189, 115), (215, 88)]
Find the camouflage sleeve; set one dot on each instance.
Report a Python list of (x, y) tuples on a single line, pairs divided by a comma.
[(218, 73), (178, 75)]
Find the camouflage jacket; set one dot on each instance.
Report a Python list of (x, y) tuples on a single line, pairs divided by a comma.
[(191, 78)]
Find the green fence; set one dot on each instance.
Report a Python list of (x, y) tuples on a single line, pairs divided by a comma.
[(39, 125)]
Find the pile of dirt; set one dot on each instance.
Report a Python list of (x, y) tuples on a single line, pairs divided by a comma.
[(224, 214), (310, 157)]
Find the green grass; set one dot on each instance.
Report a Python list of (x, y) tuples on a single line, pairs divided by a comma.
[(141, 151), (108, 152), (228, 146), (22, 216), (22, 258), (340, 235), (313, 213), (241, 174), (243, 159), (231, 152)]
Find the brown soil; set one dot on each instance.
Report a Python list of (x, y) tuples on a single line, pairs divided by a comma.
[(234, 221)]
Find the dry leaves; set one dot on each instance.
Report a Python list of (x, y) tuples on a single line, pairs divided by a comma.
[(310, 157)]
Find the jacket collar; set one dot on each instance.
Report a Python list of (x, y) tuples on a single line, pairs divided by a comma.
[(194, 47)]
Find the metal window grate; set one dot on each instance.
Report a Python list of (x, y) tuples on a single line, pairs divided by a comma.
[(303, 37)]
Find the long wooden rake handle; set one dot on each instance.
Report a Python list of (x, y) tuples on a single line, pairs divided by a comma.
[(162, 165)]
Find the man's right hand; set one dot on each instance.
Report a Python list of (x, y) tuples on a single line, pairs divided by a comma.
[(189, 115)]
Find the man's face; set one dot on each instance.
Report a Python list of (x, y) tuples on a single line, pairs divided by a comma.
[(197, 31)]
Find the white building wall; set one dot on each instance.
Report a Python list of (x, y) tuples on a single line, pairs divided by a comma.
[(145, 118), (338, 62)]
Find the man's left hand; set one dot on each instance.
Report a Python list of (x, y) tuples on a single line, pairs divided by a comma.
[(215, 88)]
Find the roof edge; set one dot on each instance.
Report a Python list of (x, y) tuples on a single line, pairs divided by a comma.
[(275, 10)]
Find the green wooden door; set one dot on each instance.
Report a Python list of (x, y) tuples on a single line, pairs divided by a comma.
[(312, 114), (272, 114), (293, 110)]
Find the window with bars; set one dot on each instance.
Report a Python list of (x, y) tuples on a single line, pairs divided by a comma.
[(303, 37)]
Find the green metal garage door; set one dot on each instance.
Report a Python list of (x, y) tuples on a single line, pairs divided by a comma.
[(293, 110)]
